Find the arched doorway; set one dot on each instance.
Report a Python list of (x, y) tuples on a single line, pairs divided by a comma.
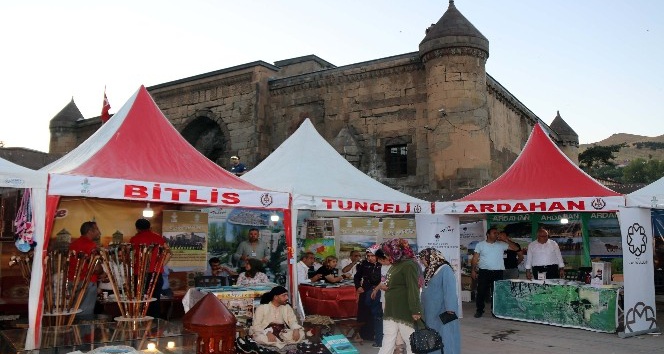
[(206, 136)]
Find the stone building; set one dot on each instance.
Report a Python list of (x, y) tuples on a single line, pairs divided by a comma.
[(431, 123)]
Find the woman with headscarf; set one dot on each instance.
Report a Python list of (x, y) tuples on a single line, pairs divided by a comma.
[(402, 297), (274, 321), (369, 311), (253, 273), (439, 295)]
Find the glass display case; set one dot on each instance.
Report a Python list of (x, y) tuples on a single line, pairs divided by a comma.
[(152, 336)]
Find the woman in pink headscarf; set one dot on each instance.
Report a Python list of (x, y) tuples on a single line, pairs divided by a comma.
[(402, 297)]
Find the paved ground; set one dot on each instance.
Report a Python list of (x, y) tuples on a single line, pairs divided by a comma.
[(489, 335)]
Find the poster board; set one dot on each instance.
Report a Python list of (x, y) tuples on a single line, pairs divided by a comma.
[(186, 233)]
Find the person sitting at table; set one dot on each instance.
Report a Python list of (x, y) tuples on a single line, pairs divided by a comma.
[(348, 265), (305, 269), (274, 322), (329, 270), (217, 269), (253, 273)]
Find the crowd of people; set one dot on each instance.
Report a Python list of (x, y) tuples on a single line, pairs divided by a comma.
[(395, 289)]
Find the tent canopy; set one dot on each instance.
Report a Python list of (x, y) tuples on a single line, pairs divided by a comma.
[(15, 176), (650, 196), (139, 155), (321, 179), (541, 179)]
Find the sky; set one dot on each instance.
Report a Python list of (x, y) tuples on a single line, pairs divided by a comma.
[(595, 61)]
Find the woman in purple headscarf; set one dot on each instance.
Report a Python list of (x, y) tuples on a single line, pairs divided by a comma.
[(402, 297)]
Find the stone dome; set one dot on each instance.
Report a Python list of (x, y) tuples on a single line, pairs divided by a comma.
[(453, 30)]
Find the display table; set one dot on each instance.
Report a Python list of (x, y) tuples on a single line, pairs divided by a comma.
[(561, 304), (106, 337), (332, 301), (240, 301)]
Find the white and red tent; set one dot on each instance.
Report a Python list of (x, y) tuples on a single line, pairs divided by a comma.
[(15, 176), (542, 179), (139, 156)]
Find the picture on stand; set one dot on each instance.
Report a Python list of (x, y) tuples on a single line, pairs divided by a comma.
[(186, 233)]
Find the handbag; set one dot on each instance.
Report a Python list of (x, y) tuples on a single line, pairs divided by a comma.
[(425, 340), (447, 317)]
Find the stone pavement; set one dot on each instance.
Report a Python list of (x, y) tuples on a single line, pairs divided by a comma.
[(489, 335)]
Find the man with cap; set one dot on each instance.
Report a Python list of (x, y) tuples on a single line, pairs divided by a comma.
[(274, 320), (237, 167)]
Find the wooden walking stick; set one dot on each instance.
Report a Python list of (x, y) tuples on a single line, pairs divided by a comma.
[(77, 277), (57, 281)]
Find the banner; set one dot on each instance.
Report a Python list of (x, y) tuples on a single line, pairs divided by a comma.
[(111, 188), (186, 233), (399, 228), (442, 233), (637, 242)]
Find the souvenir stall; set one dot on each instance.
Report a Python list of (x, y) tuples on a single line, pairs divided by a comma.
[(138, 156), (323, 181), (543, 180), (31, 229), (641, 222)]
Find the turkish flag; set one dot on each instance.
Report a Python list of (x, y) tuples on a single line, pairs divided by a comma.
[(105, 115)]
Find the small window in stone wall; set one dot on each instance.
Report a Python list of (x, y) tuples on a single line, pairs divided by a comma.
[(396, 160)]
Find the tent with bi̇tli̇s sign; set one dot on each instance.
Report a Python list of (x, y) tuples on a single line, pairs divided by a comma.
[(139, 156)]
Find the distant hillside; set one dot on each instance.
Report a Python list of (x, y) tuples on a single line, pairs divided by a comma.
[(638, 146)]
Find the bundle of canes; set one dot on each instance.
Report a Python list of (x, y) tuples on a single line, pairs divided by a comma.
[(79, 291), (25, 265), (66, 278), (163, 255)]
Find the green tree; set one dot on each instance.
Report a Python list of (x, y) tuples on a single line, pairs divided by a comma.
[(598, 156), (642, 171)]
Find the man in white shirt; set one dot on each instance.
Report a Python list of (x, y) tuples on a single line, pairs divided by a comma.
[(305, 269), (348, 266), (544, 257)]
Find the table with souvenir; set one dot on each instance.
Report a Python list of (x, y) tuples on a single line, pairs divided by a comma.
[(559, 302)]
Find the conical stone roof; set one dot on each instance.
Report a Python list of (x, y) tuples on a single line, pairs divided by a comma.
[(453, 30), (68, 115), (563, 130)]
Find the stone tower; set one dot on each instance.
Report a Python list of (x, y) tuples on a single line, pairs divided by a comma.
[(63, 129), (454, 54), (568, 140)]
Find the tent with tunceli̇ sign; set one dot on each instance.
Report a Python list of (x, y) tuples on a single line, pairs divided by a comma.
[(139, 156), (320, 179)]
